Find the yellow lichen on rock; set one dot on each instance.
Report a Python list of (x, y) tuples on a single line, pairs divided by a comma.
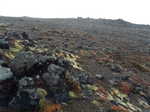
[(10, 53), (69, 57), (42, 103)]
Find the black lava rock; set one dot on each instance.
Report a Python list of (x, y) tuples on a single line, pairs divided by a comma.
[(28, 64), (4, 44)]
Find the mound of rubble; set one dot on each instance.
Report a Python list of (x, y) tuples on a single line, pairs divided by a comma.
[(29, 77), (37, 79)]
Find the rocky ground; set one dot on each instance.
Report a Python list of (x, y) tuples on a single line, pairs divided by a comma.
[(74, 65)]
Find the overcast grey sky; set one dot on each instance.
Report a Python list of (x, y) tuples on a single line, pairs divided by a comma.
[(136, 11)]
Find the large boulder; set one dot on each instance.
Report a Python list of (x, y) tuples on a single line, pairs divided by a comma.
[(116, 68), (28, 63), (27, 97)]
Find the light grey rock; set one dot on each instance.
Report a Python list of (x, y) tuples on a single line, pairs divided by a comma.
[(99, 76), (5, 73)]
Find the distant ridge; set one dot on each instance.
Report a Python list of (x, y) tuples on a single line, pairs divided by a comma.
[(114, 21)]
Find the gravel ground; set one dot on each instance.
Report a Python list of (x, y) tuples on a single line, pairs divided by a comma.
[(104, 46)]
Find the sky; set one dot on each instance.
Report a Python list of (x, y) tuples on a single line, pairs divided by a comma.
[(135, 11)]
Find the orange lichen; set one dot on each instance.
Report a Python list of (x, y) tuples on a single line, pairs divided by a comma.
[(104, 59), (102, 93), (52, 108), (125, 87), (119, 108)]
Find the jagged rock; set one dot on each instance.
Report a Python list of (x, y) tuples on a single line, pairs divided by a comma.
[(51, 79), (61, 96), (82, 77), (63, 62), (28, 63), (25, 35), (11, 35), (67, 59), (138, 88), (53, 75), (23, 62), (26, 82), (116, 68), (27, 97), (78, 76), (54, 69)]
